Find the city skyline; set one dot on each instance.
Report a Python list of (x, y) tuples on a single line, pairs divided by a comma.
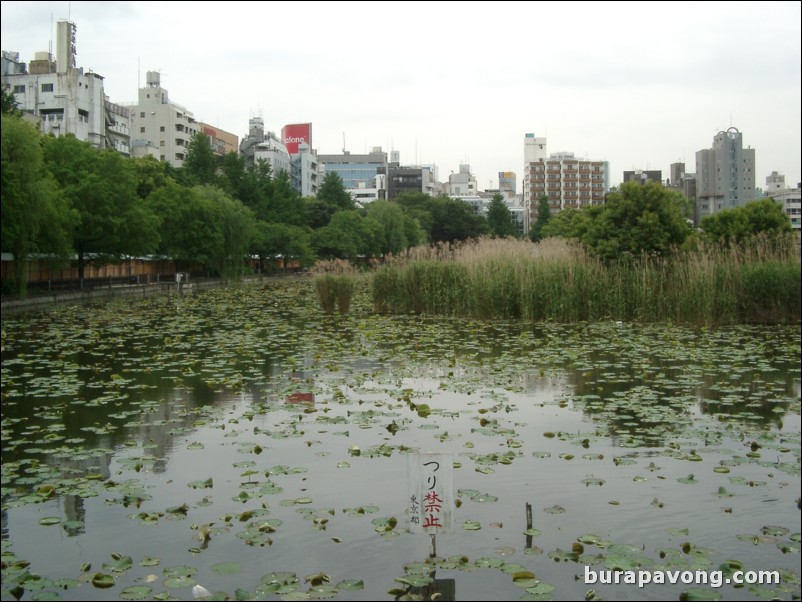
[(640, 89)]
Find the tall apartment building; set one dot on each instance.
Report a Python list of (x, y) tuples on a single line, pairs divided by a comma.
[(64, 99), (725, 174), (166, 125), (568, 182)]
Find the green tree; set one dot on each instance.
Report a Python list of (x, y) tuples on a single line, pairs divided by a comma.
[(640, 218), (738, 224), (347, 236), (150, 174), (9, 105), (35, 217), (420, 208), (393, 226), (285, 242), (454, 220), (200, 162), (543, 216), (570, 223), (318, 212), (333, 192), (284, 204), (499, 218), (237, 225), (189, 227), (101, 188)]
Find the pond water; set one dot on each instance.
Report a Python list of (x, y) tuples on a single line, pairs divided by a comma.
[(242, 440)]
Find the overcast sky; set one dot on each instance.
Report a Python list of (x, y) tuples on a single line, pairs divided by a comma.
[(641, 85)]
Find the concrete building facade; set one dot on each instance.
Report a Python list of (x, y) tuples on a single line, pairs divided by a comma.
[(643, 176), (273, 152), (357, 171), (222, 142), (166, 125), (725, 174), (65, 100), (506, 183), (462, 183), (789, 198), (306, 172), (568, 182)]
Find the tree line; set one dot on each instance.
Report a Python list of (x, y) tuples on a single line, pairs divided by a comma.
[(62, 198)]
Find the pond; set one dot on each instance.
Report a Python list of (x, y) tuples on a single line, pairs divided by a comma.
[(242, 440)]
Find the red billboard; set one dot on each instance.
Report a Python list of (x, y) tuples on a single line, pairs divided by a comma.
[(295, 134)]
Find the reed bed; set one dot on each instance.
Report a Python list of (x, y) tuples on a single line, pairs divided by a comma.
[(334, 282), (559, 281)]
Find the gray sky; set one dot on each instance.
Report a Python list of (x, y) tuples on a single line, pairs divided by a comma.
[(641, 85)]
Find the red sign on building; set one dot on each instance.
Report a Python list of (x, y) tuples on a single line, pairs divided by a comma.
[(295, 134)]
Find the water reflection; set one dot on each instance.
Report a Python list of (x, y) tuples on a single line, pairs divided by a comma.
[(124, 413)]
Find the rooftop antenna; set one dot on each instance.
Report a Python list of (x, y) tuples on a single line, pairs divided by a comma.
[(50, 42), (343, 142)]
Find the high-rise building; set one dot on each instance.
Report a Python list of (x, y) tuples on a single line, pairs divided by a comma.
[(534, 149), (725, 174), (64, 99), (564, 179), (164, 124)]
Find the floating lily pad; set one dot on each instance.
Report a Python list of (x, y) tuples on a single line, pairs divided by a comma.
[(136, 592), (102, 581), (226, 568), (49, 520)]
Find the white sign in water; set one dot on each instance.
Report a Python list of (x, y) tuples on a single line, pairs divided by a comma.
[(430, 507)]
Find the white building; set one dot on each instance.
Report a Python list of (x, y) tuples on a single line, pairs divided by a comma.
[(306, 172), (64, 99), (165, 125), (789, 198), (273, 152), (462, 183)]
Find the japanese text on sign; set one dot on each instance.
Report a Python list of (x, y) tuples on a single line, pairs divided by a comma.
[(431, 493)]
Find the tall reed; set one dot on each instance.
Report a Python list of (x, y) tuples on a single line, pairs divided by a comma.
[(334, 282), (557, 280)]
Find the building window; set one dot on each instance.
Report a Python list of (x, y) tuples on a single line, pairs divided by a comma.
[(142, 130), (142, 114), (161, 142), (47, 87), (161, 129), (19, 89)]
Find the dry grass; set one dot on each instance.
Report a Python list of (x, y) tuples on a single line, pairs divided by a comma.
[(557, 280)]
